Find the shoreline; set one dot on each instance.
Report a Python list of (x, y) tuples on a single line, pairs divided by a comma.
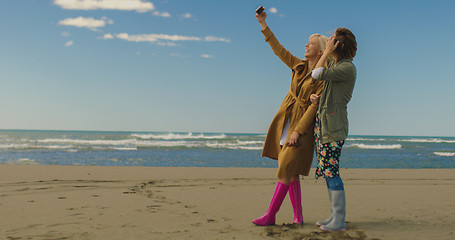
[(31, 171), (112, 202)]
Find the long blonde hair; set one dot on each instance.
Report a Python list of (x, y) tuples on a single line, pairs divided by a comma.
[(322, 41)]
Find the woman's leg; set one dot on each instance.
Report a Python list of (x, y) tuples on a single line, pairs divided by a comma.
[(295, 178), (295, 194), (338, 205), (280, 193), (335, 183), (328, 220), (286, 181)]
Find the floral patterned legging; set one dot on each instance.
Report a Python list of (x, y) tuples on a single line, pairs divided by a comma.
[(328, 155)]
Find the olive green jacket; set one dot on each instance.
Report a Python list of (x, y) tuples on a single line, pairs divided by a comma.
[(339, 81)]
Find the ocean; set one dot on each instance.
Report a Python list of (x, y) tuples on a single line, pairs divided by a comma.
[(189, 149)]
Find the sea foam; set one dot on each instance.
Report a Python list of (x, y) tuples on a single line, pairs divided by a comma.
[(232, 146), (177, 136), (377, 146), (89, 142), (22, 161), (14, 146), (365, 139), (427, 140), (445, 154)]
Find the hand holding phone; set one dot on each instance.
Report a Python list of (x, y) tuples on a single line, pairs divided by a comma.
[(261, 15), (259, 10)]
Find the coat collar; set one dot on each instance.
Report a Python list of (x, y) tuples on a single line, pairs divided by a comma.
[(300, 66), (344, 60)]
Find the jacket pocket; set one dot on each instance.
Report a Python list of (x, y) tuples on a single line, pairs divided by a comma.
[(335, 118)]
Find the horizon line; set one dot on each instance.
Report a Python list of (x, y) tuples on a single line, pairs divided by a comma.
[(147, 131)]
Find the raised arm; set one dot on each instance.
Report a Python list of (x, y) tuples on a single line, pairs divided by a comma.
[(329, 48), (306, 122), (285, 56), (343, 70), (261, 19)]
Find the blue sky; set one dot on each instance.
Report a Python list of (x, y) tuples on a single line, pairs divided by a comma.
[(203, 66)]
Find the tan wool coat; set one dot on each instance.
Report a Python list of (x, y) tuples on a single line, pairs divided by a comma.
[(296, 107)]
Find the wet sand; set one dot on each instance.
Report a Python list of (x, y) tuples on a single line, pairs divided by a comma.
[(90, 202)]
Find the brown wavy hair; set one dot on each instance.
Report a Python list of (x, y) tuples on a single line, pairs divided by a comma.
[(347, 47)]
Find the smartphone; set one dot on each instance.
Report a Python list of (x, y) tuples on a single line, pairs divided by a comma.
[(259, 10)]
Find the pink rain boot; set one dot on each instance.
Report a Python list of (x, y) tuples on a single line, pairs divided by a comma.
[(295, 195), (269, 217)]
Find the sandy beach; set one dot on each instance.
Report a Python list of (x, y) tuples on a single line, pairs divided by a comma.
[(90, 202)]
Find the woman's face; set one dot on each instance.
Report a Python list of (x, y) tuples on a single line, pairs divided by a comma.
[(312, 48)]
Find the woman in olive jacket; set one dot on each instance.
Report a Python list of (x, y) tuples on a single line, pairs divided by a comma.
[(331, 128), (290, 136)]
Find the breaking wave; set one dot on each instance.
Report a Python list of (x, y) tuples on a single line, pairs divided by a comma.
[(427, 140), (445, 154), (177, 136), (377, 146)]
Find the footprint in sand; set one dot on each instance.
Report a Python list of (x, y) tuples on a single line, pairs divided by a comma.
[(288, 231), (153, 206), (129, 192)]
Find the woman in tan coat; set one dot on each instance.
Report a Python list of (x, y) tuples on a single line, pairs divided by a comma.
[(290, 136)]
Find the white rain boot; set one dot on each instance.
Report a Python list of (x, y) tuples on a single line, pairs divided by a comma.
[(339, 213), (328, 220)]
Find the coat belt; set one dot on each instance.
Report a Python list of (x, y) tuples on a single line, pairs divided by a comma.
[(303, 103)]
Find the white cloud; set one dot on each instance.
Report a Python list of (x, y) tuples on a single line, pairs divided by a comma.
[(66, 34), (187, 15), (89, 23), (69, 43), (168, 44), (275, 11), (108, 36), (207, 56), (127, 5), (216, 39), (161, 14), (163, 39), (155, 37)]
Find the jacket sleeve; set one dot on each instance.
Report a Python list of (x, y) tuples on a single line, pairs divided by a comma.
[(307, 120), (340, 72), (285, 56)]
